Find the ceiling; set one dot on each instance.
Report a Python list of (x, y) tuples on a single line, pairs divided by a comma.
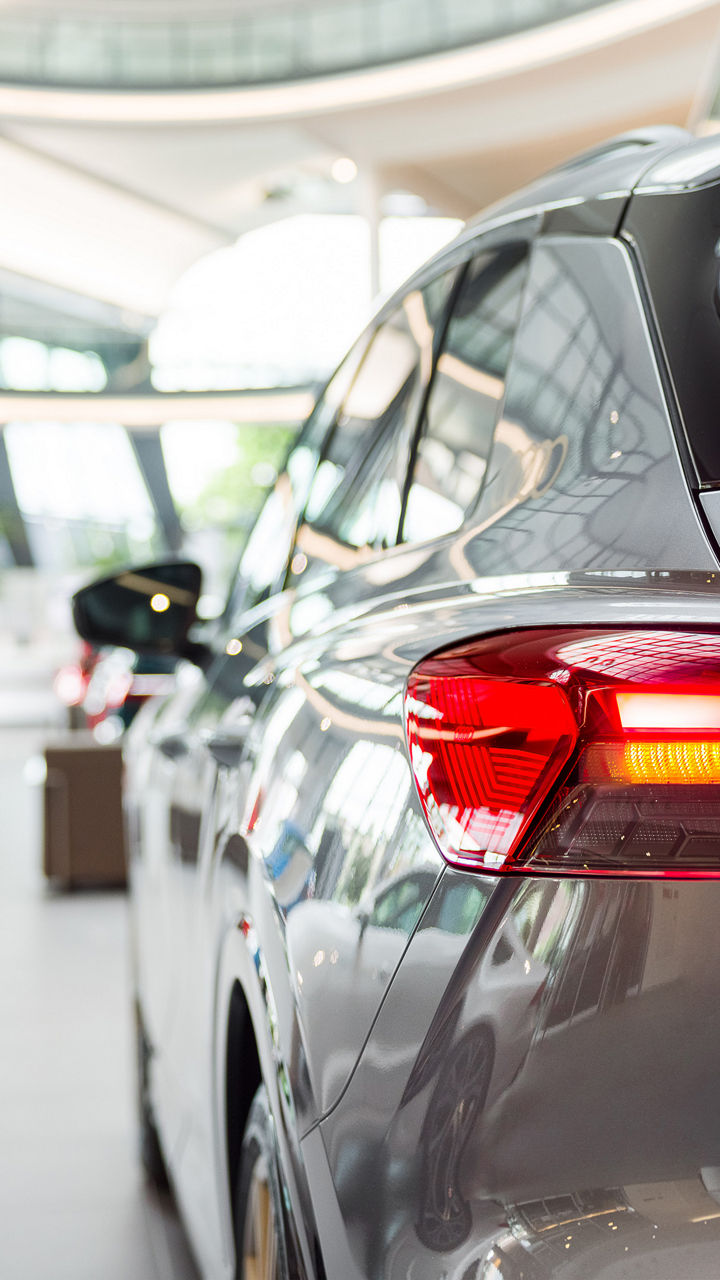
[(105, 201)]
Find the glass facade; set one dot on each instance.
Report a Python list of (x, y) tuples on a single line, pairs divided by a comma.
[(89, 495), (285, 41)]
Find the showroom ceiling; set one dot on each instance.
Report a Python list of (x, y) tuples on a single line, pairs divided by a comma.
[(113, 196)]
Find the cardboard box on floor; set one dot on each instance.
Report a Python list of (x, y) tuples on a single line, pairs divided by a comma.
[(83, 825)]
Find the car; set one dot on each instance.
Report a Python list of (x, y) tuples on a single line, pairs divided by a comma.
[(424, 847), (119, 684), (70, 683), (104, 689)]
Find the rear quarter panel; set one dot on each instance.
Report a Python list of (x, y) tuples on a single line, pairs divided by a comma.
[(543, 1110)]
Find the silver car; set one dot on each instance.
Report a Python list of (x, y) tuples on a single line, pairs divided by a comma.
[(424, 848)]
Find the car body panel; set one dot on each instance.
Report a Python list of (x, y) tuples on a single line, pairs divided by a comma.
[(595, 1136), (594, 182), (469, 1076), (310, 1058)]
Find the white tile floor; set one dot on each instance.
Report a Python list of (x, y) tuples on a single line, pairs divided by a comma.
[(73, 1205)]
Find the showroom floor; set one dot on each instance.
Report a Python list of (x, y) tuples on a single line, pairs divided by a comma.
[(73, 1205)]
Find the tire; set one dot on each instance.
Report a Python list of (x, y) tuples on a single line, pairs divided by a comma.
[(264, 1251), (151, 1156)]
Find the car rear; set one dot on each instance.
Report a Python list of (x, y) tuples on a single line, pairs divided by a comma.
[(538, 1101)]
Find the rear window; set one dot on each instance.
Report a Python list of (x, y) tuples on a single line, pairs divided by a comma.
[(678, 235)]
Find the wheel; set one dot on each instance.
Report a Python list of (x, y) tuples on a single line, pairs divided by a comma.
[(263, 1249), (151, 1156)]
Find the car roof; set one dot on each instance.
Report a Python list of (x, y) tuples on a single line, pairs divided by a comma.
[(587, 194), (612, 170)]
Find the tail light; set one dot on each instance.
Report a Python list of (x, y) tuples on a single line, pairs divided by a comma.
[(69, 685), (572, 752)]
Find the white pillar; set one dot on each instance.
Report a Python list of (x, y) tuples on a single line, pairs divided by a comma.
[(370, 193)]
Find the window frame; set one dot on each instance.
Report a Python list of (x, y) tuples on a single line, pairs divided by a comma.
[(524, 232), (459, 254), (357, 465)]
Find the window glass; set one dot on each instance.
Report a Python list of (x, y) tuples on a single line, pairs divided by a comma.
[(303, 460), (584, 444), (685, 290), (266, 553), (357, 492), (466, 395), (101, 514)]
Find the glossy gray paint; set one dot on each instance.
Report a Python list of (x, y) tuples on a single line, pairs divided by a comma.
[(448, 1098), (555, 1116), (585, 424), (311, 1032), (381, 1117)]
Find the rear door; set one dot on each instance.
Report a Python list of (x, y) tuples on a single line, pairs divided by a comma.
[(172, 770)]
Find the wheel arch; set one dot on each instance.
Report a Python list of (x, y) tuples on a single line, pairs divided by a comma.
[(249, 1053)]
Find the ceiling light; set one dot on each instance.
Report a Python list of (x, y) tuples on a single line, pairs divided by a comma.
[(343, 169)]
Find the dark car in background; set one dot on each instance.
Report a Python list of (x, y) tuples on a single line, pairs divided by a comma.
[(425, 846)]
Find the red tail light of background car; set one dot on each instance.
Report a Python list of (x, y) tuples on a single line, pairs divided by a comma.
[(572, 752)]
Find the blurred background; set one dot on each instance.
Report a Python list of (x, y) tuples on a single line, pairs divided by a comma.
[(200, 205)]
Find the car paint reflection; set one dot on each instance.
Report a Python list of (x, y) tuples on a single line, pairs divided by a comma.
[(540, 1115), (348, 862)]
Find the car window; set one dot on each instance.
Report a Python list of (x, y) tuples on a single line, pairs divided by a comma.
[(264, 559), (355, 499), (685, 292), (584, 436), (466, 395)]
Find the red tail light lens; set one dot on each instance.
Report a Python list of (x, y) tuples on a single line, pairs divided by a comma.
[(572, 752)]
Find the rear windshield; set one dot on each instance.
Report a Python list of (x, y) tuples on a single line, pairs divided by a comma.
[(678, 234)]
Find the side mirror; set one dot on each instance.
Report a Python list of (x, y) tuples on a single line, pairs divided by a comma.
[(150, 609)]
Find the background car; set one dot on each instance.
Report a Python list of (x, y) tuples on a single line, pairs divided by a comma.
[(105, 689), (472, 655)]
